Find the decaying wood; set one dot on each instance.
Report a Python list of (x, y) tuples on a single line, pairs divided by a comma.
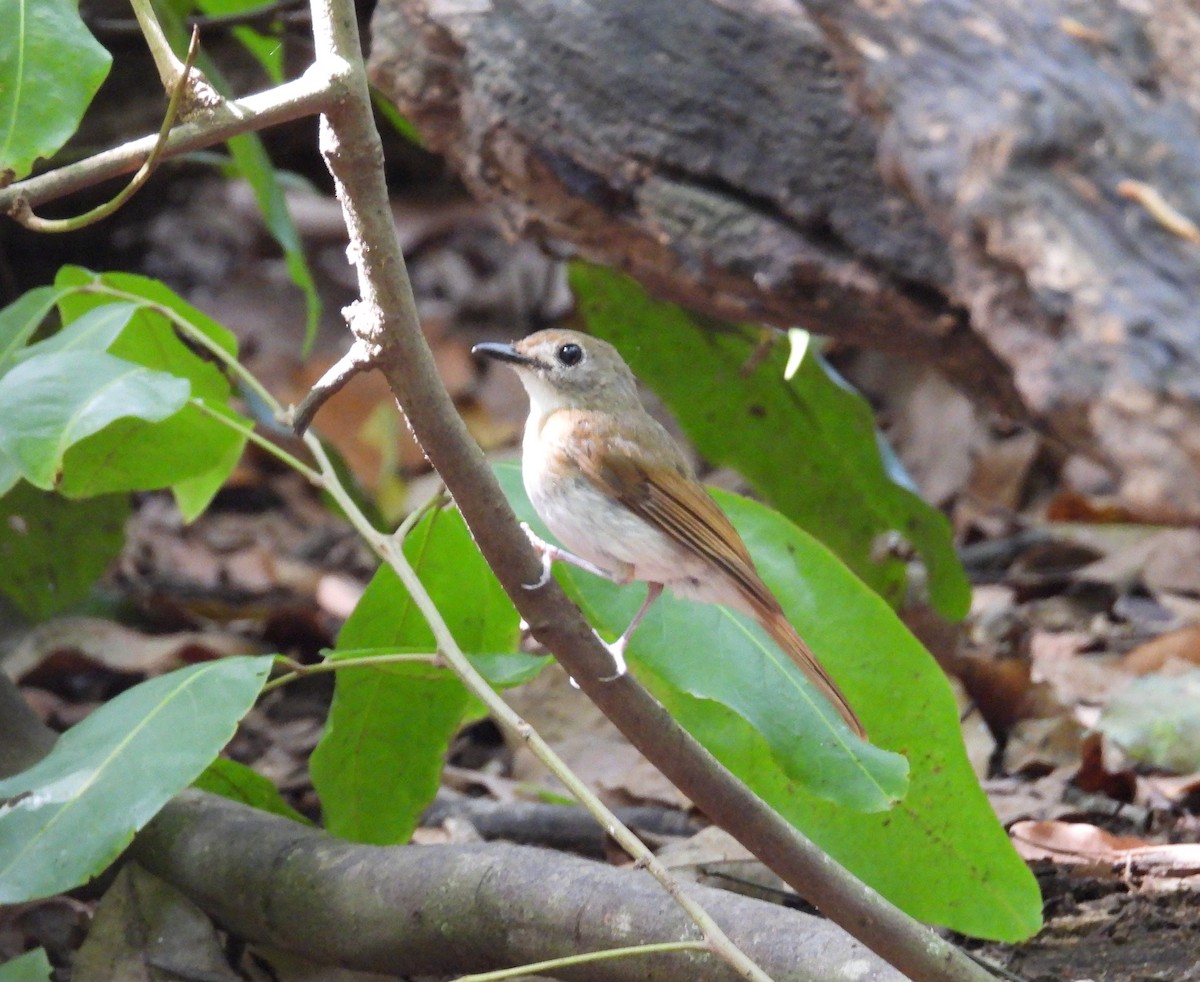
[(707, 149), (995, 186)]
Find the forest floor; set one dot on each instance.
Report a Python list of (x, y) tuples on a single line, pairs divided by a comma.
[(1078, 669)]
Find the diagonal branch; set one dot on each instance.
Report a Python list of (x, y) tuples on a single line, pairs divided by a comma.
[(386, 319)]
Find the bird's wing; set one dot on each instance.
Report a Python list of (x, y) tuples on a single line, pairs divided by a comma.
[(680, 507)]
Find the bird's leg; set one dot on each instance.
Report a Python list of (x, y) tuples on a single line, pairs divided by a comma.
[(550, 552), (617, 648)]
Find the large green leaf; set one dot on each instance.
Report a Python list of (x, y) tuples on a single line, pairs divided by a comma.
[(51, 403), (70, 815), (53, 549), (378, 763), (940, 853), (41, 100), (89, 289), (808, 446), (94, 330), (191, 452), (751, 676)]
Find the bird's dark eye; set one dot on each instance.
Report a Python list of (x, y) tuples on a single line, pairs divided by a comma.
[(569, 354)]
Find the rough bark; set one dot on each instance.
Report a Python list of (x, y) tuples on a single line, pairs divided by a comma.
[(706, 148), (417, 910), (946, 178)]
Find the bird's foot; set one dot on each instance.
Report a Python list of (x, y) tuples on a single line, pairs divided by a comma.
[(543, 549), (550, 553), (617, 650)]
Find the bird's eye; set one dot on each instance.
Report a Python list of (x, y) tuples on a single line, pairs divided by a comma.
[(569, 354)]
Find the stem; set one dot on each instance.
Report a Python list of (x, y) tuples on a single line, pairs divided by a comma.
[(336, 665), (170, 69), (584, 959), (251, 434)]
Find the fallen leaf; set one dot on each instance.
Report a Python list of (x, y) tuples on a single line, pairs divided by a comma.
[(83, 643), (1181, 645), (1078, 842)]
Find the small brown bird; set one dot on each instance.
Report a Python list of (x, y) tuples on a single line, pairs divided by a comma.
[(618, 493)]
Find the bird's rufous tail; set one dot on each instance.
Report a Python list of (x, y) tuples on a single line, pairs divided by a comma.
[(784, 635)]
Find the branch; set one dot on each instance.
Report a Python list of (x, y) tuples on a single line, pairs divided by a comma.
[(454, 909), (386, 319), (305, 96)]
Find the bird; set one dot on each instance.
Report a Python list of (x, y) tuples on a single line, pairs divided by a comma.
[(616, 490)]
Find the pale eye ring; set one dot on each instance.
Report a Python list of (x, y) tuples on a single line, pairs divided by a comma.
[(569, 354)]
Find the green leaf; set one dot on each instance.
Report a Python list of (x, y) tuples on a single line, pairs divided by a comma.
[(378, 763), (191, 452), (1156, 720), (505, 670), (808, 446), (41, 104), (958, 867), (33, 966), (95, 330), (84, 289), (255, 166), (70, 815), (9, 473), (401, 124), (20, 319), (267, 50), (751, 676), (52, 549), (237, 782), (51, 403)]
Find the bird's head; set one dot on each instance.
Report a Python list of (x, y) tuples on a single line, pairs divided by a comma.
[(567, 370)]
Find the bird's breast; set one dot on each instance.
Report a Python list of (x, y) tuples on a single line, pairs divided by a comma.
[(584, 517)]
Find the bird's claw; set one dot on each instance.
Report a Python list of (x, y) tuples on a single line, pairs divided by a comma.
[(617, 650), (543, 549)]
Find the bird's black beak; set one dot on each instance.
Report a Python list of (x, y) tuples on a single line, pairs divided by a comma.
[(501, 352)]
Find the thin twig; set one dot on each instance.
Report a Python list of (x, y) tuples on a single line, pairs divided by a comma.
[(536, 968), (170, 68), (262, 442), (359, 358), (337, 665)]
